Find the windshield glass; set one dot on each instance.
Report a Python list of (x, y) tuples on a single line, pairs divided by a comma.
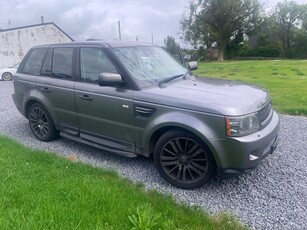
[(149, 65), (15, 66)]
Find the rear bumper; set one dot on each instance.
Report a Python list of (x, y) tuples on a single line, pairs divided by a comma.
[(242, 154), (18, 105)]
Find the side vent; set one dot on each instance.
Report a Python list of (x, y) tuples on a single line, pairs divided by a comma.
[(144, 111)]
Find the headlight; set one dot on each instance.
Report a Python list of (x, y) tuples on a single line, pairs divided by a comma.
[(243, 125)]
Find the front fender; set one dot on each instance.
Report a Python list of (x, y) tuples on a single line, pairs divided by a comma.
[(207, 127)]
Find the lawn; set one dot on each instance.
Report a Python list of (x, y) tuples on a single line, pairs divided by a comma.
[(286, 80), (40, 190)]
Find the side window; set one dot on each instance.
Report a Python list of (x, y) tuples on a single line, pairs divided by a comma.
[(46, 69), (62, 63), (93, 62), (34, 62)]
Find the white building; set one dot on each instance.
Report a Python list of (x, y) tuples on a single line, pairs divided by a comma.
[(15, 42)]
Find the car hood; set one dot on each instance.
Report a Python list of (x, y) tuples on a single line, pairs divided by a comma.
[(207, 95)]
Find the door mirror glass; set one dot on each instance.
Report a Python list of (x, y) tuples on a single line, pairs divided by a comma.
[(192, 65)]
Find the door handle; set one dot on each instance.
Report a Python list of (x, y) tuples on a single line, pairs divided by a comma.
[(85, 98), (46, 90)]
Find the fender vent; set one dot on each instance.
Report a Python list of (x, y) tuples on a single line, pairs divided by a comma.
[(144, 111)]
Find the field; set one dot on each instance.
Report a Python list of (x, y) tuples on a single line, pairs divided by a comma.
[(42, 191), (286, 80)]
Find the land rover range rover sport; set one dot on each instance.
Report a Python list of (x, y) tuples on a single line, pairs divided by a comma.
[(134, 99)]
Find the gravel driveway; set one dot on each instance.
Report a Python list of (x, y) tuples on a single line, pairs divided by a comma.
[(273, 196)]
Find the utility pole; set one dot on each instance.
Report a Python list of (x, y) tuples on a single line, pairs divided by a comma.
[(119, 32), (152, 38), (137, 38), (9, 23)]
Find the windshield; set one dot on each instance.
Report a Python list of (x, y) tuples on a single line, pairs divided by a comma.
[(149, 65), (15, 66)]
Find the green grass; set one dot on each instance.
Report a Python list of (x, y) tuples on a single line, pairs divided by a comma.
[(286, 80), (42, 191)]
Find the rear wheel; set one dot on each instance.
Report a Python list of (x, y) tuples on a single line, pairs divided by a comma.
[(41, 123), (184, 160), (7, 76)]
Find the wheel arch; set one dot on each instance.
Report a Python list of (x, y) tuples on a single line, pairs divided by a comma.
[(41, 123), (32, 101), (28, 105), (195, 128)]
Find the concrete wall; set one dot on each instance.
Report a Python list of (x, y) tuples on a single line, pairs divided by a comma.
[(15, 43)]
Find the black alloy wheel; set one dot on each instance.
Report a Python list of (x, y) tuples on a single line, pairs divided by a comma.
[(7, 76), (41, 123), (183, 160)]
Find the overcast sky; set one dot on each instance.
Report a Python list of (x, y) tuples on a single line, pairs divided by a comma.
[(83, 19)]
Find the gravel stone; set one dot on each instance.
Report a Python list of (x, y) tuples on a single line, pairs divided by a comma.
[(273, 196)]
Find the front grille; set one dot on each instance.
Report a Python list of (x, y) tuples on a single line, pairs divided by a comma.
[(264, 113)]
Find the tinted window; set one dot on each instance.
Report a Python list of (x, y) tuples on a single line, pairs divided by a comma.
[(62, 63), (93, 62), (46, 69), (34, 62)]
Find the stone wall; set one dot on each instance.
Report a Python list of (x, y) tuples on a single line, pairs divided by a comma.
[(15, 43)]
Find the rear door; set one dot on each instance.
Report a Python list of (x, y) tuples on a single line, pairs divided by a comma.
[(25, 78), (105, 113), (56, 87)]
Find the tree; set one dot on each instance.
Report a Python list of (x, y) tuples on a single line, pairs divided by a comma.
[(170, 45), (264, 41), (219, 21), (299, 46), (304, 17), (265, 34), (287, 15), (173, 48)]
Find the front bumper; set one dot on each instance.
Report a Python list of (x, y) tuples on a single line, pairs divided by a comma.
[(237, 155)]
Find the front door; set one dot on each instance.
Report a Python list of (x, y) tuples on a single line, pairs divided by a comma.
[(105, 113)]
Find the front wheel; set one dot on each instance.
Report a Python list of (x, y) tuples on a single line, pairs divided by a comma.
[(184, 160), (7, 76), (41, 123)]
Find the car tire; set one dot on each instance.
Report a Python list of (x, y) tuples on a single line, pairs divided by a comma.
[(7, 76), (184, 160), (41, 123)]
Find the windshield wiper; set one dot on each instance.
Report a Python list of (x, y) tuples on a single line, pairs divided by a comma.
[(173, 78)]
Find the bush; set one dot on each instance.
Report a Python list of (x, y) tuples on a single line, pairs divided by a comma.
[(290, 54), (260, 52)]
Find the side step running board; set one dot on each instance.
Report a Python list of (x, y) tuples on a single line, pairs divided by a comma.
[(118, 152)]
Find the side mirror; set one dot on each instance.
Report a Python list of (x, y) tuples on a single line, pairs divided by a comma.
[(110, 79), (192, 65)]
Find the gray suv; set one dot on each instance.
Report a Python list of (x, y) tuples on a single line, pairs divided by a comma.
[(134, 99)]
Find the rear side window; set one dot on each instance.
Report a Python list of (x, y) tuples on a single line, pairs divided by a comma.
[(34, 63), (62, 63)]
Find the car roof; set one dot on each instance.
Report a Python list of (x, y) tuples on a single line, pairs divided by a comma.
[(100, 43)]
